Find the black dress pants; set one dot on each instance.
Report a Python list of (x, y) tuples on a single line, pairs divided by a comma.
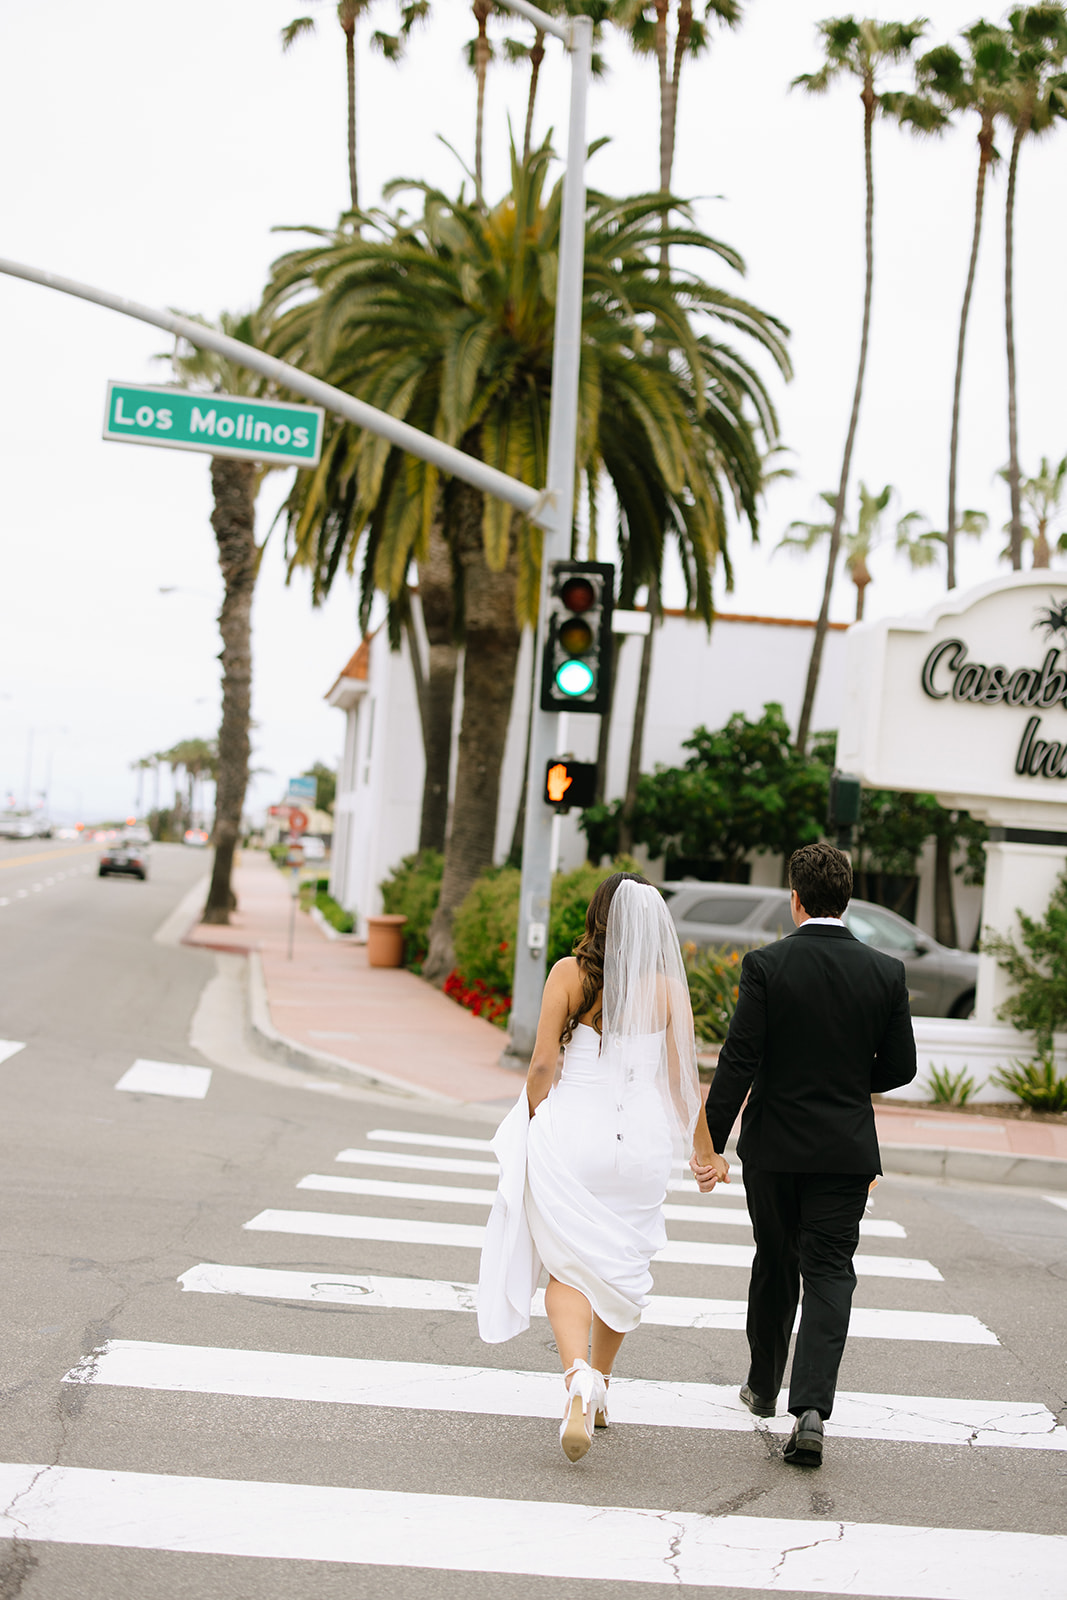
[(807, 1226)]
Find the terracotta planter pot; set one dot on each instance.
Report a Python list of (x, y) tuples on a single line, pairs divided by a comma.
[(385, 941)]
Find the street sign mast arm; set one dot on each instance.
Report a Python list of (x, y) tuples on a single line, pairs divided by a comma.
[(535, 503)]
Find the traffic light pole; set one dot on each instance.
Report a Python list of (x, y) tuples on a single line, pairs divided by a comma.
[(537, 861)]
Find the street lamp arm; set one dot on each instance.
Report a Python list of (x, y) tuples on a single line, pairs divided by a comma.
[(535, 503), (540, 19)]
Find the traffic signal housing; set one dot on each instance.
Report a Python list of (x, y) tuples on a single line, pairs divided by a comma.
[(570, 783), (843, 809), (576, 670)]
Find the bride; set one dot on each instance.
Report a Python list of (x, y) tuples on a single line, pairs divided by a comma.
[(584, 1165)]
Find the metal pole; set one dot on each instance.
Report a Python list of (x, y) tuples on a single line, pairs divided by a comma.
[(536, 889), (402, 434), (540, 19)]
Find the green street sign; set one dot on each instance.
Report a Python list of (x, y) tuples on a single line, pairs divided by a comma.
[(219, 424)]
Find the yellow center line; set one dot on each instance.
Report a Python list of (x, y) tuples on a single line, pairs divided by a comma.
[(45, 855)]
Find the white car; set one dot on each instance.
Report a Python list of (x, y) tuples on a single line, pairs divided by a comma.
[(13, 826)]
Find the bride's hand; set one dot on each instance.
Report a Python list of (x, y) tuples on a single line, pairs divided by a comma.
[(708, 1174)]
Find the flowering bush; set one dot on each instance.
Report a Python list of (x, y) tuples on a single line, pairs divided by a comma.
[(713, 980), (477, 997)]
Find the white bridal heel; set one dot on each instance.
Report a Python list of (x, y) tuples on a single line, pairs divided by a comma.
[(586, 1396), (602, 1420)]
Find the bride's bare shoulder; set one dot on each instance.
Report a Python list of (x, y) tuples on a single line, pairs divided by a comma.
[(566, 974)]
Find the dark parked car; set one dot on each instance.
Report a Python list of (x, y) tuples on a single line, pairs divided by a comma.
[(125, 856), (941, 982)]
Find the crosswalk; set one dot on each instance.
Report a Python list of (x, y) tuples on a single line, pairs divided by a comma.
[(396, 1198)]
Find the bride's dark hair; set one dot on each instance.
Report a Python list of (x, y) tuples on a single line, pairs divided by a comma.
[(589, 949)]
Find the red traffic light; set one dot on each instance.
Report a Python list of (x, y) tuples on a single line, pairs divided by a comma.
[(578, 594)]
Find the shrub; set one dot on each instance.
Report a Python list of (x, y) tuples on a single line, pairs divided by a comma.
[(713, 980), (1038, 972), (1036, 1083), (951, 1088), (412, 890), (483, 933)]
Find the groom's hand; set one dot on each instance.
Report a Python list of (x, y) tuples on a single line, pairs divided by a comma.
[(708, 1174)]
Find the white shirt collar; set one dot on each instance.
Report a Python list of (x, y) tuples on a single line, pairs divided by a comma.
[(823, 922)]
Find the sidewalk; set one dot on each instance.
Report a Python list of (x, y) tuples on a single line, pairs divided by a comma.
[(381, 1023), (328, 1011)]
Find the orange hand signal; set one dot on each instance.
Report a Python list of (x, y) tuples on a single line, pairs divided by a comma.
[(559, 781)]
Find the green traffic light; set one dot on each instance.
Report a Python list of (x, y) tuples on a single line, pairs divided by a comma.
[(574, 678)]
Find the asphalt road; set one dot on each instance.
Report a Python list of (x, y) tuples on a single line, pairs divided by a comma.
[(253, 1431)]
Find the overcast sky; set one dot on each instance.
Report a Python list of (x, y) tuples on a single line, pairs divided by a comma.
[(152, 149)]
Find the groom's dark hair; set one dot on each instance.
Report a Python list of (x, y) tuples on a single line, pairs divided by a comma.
[(822, 878)]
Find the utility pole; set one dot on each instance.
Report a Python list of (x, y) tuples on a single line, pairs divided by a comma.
[(537, 838)]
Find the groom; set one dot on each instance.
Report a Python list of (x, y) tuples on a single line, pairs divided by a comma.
[(822, 1022)]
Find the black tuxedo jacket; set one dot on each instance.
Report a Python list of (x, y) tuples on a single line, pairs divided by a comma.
[(821, 1024)]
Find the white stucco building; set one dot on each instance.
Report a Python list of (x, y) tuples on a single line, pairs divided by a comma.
[(697, 679)]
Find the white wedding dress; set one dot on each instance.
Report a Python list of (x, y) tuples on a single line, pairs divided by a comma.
[(582, 1183)]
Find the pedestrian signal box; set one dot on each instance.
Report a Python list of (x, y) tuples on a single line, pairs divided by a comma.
[(576, 671), (570, 783)]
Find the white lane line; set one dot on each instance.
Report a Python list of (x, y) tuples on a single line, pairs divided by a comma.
[(709, 1212), (1053, 1199), (662, 1311), (489, 1169), (492, 1391), (9, 1048), (528, 1538), (4, 901), (36, 888), (166, 1077), (467, 1236), (22, 894)]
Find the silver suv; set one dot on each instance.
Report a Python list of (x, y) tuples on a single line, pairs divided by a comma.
[(941, 982)]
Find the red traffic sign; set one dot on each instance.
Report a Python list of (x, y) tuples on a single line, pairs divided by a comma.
[(298, 821)]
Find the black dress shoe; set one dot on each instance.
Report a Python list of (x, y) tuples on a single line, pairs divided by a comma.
[(803, 1448), (757, 1404)]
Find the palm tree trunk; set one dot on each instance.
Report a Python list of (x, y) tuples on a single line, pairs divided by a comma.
[(1041, 555), (481, 67), (234, 485), (1016, 544), (491, 648), (823, 622), (537, 55), (985, 153), (945, 931), (350, 64), (633, 771), (436, 598)]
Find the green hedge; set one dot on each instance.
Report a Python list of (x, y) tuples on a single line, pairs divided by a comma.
[(412, 890)]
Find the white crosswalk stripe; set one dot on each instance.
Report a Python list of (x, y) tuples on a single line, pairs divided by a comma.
[(1057, 1200), (710, 1212), (408, 1172), (469, 1236), (166, 1078), (662, 1311), (9, 1048), (489, 1170), (495, 1391), (370, 1527)]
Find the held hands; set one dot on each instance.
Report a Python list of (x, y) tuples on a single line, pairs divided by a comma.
[(709, 1173)]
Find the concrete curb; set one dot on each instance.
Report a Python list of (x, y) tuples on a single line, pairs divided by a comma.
[(975, 1166), (265, 1036), (329, 931)]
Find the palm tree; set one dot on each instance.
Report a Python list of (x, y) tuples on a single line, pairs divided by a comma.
[(919, 544), (1042, 495), (647, 23), (1039, 38), (198, 759), (234, 485), (447, 321), (516, 50), (860, 50), (979, 83), (391, 46)]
